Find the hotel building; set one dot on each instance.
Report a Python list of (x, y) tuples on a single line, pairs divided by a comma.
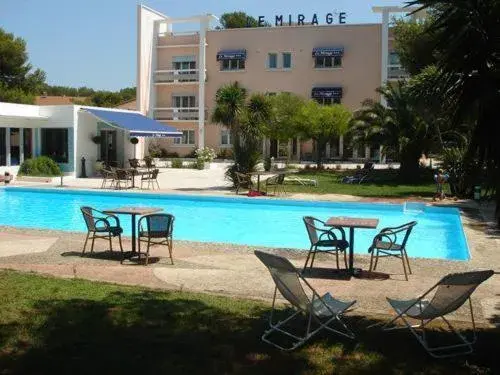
[(179, 73)]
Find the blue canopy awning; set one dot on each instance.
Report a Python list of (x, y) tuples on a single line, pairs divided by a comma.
[(230, 54), (328, 51), (326, 92), (135, 123)]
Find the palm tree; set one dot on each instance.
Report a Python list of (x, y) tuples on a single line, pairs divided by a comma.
[(466, 34), (229, 106), (400, 130)]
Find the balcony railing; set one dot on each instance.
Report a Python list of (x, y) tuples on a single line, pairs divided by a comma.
[(176, 76), (176, 113), (396, 72)]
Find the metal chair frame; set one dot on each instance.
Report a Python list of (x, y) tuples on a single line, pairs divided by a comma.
[(424, 311), (243, 180), (278, 182), (150, 240), (315, 242), (100, 228), (107, 175), (150, 178), (390, 235), (310, 310)]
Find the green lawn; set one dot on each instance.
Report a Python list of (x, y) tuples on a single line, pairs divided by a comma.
[(382, 183), (59, 326)]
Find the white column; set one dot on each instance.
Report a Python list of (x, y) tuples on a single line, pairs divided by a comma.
[(289, 150), (154, 66), (367, 152), (298, 148), (385, 50), (341, 146), (7, 146), (21, 145), (33, 142), (201, 84), (381, 157), (327, 151), (264, 148)]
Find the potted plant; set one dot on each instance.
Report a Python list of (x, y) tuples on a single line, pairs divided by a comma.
[(7, 177), (204, 155), (134, 141), (96, 139)]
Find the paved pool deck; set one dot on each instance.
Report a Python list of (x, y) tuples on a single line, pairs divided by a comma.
[(234, 270)]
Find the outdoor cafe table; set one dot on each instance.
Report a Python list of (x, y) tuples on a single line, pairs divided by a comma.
[(137, 172), (133, 211), (351, 223)]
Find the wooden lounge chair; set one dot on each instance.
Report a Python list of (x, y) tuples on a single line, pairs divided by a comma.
[(388, 244), (450, 293), (320, 311), (101, 225), (324, 240), (156, 229)]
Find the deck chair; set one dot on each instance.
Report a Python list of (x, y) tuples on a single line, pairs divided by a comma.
[(450, 294), (101, 226), (320, 310), (277, 183), (243, 181), (361, 175)]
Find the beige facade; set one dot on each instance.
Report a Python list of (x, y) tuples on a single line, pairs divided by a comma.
[(178, 60)]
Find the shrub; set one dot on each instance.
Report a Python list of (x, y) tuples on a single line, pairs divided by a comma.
[(192, 154), (154, 150), (40, 166), (199, 164), (205, 154), (176, 163), (134, 140)]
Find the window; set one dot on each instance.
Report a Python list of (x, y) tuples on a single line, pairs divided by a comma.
[(55, 144), (184, 65), (15, 151), (232, 64), (184, 69), (27, 138), (186, 139), (393, 58), (287, 60), (272, 61), (225, 137), (328, 61), (183, 101), (328, 101)]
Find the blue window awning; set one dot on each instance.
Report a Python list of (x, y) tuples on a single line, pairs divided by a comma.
[(326, 92), (229, 54), (135, 123), (328, 51)]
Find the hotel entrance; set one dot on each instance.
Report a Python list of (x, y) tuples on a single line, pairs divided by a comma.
[(108, 147)]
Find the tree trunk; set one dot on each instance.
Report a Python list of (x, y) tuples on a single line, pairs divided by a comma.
[(410, 165)]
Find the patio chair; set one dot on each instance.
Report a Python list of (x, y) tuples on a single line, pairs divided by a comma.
[(134, 163), (108, 175), (101, 225), (324, 240), (451, 292), (150, 178), (387, 244), (122, 176), (156, 229), (243, 181), (322, 310), (277, 182)]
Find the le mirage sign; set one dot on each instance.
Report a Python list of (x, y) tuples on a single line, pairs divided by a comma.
[(301, 19)]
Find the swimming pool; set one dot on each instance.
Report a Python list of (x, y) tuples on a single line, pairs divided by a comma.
[(244, 221)]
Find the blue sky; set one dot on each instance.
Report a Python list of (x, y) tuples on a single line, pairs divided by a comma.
[(93, 42)]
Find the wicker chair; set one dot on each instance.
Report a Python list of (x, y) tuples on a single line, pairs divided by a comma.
[(134, 163), (122, 176), (243, 181), (108, 175), (156, 229), (150, 178), (324, 240), (99, 226), (387, 244), (278, 184)]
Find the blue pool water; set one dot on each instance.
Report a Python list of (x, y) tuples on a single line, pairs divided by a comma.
[(245, 221)]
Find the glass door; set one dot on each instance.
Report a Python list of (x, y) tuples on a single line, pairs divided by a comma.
[(108, 147)]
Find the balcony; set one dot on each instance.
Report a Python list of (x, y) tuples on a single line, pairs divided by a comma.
[(171, 76), (395, 72), (176, 114)]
